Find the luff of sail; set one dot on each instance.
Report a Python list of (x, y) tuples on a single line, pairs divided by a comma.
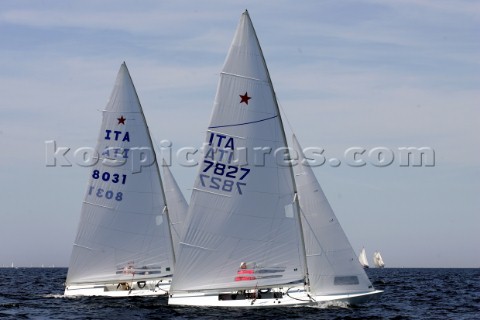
[(362, 258), (123, 234), (177, 205), (241, 213), (332, 263)]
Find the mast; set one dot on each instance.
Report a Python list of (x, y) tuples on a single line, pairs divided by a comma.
[(295, 198)]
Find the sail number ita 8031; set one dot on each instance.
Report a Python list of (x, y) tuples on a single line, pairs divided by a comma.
[(107, 177)]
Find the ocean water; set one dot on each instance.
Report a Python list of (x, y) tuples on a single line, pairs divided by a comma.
[(37, 293)]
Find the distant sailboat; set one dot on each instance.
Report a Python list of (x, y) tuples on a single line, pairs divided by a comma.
[(246, 242), (123, 245), (377, 260), (363, 259)]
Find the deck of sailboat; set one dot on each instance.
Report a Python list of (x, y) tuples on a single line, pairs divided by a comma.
[(275, 297), (156, 287)]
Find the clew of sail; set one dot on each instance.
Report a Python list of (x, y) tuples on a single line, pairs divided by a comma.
[(241, 212), (123, 233), (331, 260)]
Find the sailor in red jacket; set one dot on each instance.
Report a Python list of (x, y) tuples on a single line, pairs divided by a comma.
[(244, 274)]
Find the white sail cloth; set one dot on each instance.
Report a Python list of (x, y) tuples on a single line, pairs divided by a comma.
[(362, 258), (241, 213), (331, 260), (177, 206), (123, 231), (377, 260)]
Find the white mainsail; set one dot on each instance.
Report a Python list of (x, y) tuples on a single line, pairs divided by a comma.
[(331, 260), (362, 258), (124, 232), (377, 260), (241, 213), (177, 205)]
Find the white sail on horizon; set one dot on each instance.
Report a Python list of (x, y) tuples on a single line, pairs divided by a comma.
[(378, 260), (362, 258)]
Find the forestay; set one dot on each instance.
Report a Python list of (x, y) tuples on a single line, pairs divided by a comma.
[(123, 232), (241, 213), (332, 263)]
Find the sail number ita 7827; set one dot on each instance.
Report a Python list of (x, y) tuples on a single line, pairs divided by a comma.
[(221, 174)]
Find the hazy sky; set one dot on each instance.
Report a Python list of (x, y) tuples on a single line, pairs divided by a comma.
[(347, 74)]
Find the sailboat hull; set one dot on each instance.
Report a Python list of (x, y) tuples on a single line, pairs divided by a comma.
[(130, 289), (295, 296)]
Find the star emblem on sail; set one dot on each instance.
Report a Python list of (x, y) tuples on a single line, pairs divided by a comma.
[(245, 98), (121, 120)]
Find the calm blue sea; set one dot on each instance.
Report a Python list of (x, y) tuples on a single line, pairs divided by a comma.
[(36, 293)]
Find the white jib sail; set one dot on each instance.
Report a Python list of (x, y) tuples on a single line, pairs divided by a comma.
[(177, 206), (241, 213), (123, 232), (363, 258), (332, 262)]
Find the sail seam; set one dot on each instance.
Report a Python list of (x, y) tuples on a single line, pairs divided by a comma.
[(230, 135), (244, 123)]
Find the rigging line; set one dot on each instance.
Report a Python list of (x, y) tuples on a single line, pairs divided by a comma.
[(311, 299), (241, 124), (285, 116)]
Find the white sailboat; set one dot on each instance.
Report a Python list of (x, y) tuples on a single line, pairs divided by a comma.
[(123, 245), (377, 260), (177, 205), (243, 243), (362, 258)]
